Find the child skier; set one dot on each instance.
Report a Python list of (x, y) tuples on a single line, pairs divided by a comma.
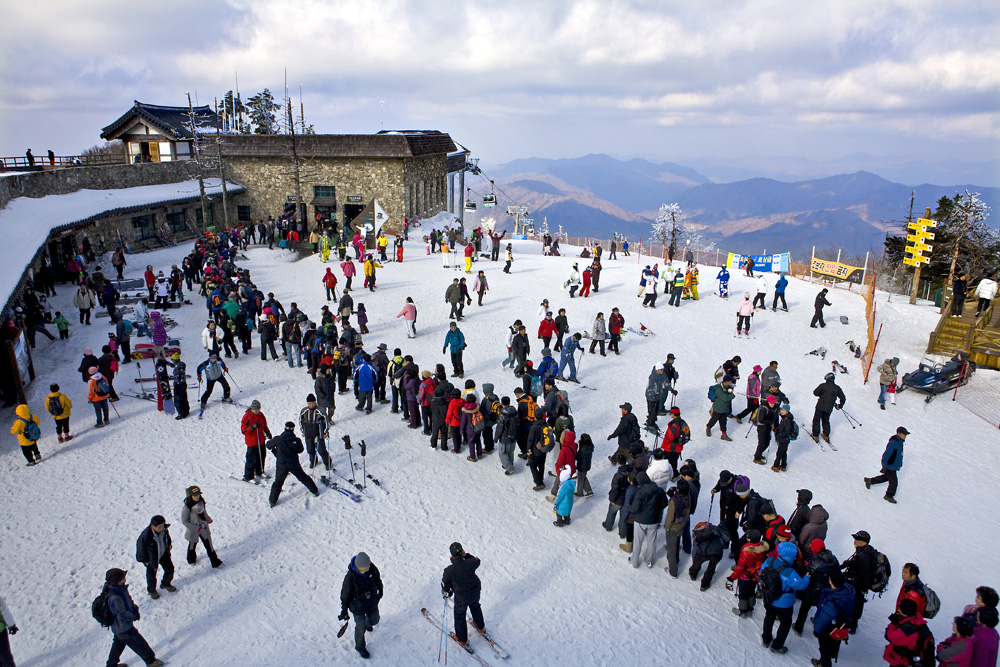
[(723, 278), (743, 314)]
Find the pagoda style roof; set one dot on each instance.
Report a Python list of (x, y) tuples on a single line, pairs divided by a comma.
[(173, 122)]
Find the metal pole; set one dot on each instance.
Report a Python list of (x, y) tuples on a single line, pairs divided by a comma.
[(813, 259)]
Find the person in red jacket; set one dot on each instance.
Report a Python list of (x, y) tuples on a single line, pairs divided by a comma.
[(255, 434), (587, 276), (908, 637), (912, 588), (453, 418), (150, 279), (673, 442), (615, 325), (567, 457), (330, 283), (752, 556), (547, 328)]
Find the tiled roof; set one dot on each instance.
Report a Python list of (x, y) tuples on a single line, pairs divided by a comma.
[(171, 121)]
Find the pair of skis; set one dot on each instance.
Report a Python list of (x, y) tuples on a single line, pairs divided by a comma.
[(357, 486), (817, 439), (329, 483), (501, 653)]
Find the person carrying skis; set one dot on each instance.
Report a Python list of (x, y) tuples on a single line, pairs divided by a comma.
[(125, 612), (744, 311), (360, 594), (195, 519), (459, 579), (315, 429), (779, 293), (818, 309), (286, 449), (892, 462), (829, 394), (723, 278), (214, 368)]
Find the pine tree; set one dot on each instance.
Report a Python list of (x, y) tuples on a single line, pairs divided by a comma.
[(262, 108)]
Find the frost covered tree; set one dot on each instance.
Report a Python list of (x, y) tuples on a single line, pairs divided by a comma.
[(972, 235), (489, 223), (261, 109), (668, 229)]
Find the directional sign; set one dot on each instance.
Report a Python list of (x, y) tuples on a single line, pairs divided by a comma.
[(910, 261), (926, 222), (923, 247)]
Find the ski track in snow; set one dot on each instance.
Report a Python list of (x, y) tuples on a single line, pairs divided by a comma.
[(548, 594)]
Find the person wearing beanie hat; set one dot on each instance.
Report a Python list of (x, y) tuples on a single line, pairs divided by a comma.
[(817, 526), (892, 462), (195, 519), (753, 395), (315, 429), (744, 575), (563, 504), (152, 549), (286, 448), (818, 309), (255, 432), (721, 406), (460, 579), (180, 377), (124, 612), (783, 434), (98, 394), (800, 517), (767, 420), (360, 594), (730, 507), (910, 640), (471, 425)]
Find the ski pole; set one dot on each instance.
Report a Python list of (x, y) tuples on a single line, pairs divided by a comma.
[(234, 382), (347, 446), (710, 503), (364, 464), (114, 408), (748, 430), (444, 616), (850, 418)]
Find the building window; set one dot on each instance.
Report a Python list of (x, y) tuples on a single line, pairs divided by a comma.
[(175, 222), (211, 215), (324, 191), (142, 227), (243, 213)]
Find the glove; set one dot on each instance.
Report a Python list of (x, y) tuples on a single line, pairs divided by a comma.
[(446, 594), (343, 615), (729, 584), (674, 391), (199, 378), (12, 629), (839, 407), (443, 350)]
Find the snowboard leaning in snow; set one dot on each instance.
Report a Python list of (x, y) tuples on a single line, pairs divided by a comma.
[(467, 648), (485, 635)]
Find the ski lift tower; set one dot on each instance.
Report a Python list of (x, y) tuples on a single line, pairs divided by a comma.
[(519, 212)]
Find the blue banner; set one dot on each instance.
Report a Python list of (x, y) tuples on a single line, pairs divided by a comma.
[(778, 263)]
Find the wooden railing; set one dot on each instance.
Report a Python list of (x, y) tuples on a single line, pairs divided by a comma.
[(39, 162)]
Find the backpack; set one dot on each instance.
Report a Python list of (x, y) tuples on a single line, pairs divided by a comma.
[(100, 610), (711, 392), (794, 435), (536, 385), (770, 583), (548, 439), (54, 406), (683, 432), (882, 574), (933, 602), (563, 398), (128, 327), (103, 388), (532, 406), (478, 423), (31, 430)]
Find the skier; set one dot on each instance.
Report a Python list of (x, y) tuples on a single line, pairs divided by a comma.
[(829, 394), (744, 311), (892, 462), (125, 612), (779, 293), (360, 594), (286, 449), (253, 425), (455, 340), (59, 406), (195, 519), (753, 394), (677, 289), (315, 430), (214, 368), (459, 579), (723, 278), (152, 549), (761, 291), (749, 263), (818, 309)]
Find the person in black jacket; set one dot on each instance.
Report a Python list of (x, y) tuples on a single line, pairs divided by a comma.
[(646, 512), (731, 506), (460, 580), (829, 393), (315, 430), (125, 612), (628, 433), (818, 309), (439, 410), (286, 449), (860, 571), (800, 517), (709, 544), (767, 421), (820, 564), (325, 387), (616, 496), (152, 549), (521, 347), (360, 594)]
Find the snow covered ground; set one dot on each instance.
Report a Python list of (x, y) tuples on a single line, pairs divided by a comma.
[(550, 596)]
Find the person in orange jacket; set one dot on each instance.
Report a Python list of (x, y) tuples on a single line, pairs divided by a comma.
[(98, 393)]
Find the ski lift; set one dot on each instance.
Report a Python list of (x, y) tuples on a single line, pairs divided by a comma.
[(490, 200), (470, 206)]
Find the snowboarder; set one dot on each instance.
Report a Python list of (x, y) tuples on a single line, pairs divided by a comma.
[(195, 519), (360, 594), (152, 549), (723, 278), (892, 462), (459, 579), (214, 368), (255, 432), (181, 405), (829, 394), (286, 449), (125, 612), (818, 305)]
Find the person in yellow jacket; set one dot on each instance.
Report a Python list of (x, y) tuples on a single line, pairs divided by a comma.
[(694, 283), (22, 428), (383, 242), (56, 400), (314, 239), (370, 266), (324, 247)]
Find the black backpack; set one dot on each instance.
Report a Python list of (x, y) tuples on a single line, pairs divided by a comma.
[(54, 406), (101, 611), (769, 581), (881, 574)]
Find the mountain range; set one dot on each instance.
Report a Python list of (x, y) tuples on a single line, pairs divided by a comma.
[(597, 195)]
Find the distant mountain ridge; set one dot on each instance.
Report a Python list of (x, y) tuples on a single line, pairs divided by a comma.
[(596, 195)]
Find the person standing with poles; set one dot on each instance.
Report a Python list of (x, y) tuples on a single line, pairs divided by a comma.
[(829, 394), (214, 368), (253, 425), (892, 462), (460, 580), (315, 430), (360, 594)]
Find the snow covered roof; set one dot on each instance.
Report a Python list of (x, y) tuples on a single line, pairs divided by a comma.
[(26, 222), (171, 121)]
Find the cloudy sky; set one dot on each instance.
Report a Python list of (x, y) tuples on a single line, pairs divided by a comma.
[(675, 81)]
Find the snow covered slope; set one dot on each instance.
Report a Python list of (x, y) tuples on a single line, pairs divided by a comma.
[(550, 596)]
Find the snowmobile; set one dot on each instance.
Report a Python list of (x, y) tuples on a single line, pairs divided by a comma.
[(935, 378)]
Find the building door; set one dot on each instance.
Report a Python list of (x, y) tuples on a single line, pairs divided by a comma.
[(154, 151), (352, 211)]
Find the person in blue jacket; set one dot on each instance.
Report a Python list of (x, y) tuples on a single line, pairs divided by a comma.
[(835, 606), (215, 368), (779, 293), (892, 462), (455, 340), (564, 500), (365, 377), (781, 609), (723, 279), (125, 613)]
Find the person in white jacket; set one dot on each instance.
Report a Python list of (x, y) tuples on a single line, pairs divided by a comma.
[(659, 469), (649, 300), (761, 290), (211, 339), (543, 309), (986, 291), (573, 283), (743, 314)]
